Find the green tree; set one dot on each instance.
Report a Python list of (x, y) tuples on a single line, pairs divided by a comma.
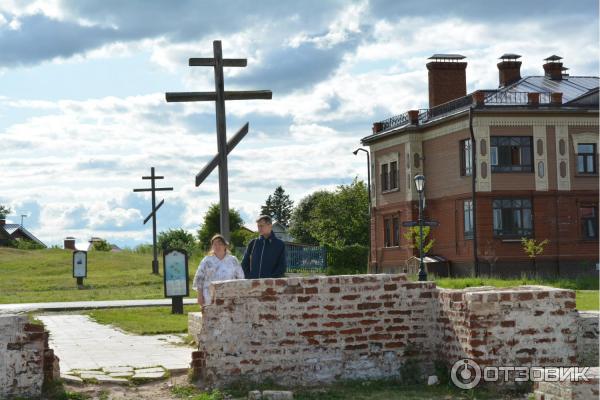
[(300, 222), (533, 248), (278, 206), (413, 236), (4, 211), (342, 219), (177, 239), (212, 225)]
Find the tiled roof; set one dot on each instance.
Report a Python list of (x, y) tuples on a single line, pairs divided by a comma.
[(12, 228)]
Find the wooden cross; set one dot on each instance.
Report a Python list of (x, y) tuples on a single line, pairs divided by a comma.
[(152, 214), (219, 96)]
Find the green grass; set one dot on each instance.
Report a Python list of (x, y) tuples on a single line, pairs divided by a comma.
[(144, 320), (587, 300), (353, 390), (46, 275)]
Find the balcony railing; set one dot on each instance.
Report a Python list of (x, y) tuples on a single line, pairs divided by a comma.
[(491, 97)]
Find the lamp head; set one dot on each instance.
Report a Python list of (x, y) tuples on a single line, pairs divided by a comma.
[(355, 152), (420, 183)]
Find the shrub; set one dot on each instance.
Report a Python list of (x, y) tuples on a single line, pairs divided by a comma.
[(22, 244), (347, 260)]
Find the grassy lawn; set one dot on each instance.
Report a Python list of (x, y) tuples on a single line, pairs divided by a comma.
[(355, 390), (587, 300), (144, 320), (46, 275)]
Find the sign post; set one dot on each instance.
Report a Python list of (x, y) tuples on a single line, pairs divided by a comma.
[(175, 264), (79, 266)]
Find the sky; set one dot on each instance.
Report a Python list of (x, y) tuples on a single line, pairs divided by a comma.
[(83, 114)]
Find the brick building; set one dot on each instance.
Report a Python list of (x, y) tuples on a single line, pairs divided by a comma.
[(517, 161)]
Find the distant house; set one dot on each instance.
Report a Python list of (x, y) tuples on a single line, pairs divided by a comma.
[(10, 232), (282, 232)]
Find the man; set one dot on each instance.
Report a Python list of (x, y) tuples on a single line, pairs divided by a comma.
[(265, 256)]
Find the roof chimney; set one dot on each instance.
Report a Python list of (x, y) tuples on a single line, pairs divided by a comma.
[(447, 78), (2, 221), (509, 69), (69, 243), (553, 68)]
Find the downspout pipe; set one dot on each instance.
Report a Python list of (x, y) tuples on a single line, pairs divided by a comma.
[(473, 190)]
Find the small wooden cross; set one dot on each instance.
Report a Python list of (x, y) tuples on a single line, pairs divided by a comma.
[(152, 214)]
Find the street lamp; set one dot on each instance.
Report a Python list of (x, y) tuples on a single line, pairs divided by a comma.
[(355, 152), (420, 185)]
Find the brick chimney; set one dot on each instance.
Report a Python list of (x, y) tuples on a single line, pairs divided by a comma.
[(2, 221), (509, 69), (553, 68), (447, 78), (69, 243)]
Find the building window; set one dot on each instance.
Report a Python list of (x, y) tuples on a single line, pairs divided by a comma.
[(512, 217), (396, 228), (586, 158), (385, 178), (391, 234), (589, 221), (466, 158), (393, 175), (511, 154), (468, 218)]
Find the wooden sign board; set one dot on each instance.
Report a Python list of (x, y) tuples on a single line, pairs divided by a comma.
[(175, 264), (79, 264)]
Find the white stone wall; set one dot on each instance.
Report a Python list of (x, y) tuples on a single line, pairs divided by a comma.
[(21, 357), (587, 339)]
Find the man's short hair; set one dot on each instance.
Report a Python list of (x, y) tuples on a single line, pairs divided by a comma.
[(265, 218)]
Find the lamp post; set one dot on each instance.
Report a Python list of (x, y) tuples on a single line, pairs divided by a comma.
[(420, 185), (355, 152)]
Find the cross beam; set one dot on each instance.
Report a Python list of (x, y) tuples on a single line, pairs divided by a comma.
[(219, 96), (202, 175), (153, 189)]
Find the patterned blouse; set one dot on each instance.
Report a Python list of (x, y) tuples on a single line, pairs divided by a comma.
[(212, 269)]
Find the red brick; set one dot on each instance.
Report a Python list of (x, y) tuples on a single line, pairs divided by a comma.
[(368, 322), (268, 317), (334, 289), (507, 324), (333, 324), (530, 331), (390, 287), (303, 299), (351, 297), (542, 295), (394, 345), (380, 336), (524, 296), (397, 328), (505, 297), (346, 315), (356, 346), (368, 306), (352, 331), (310, 316), (280, 282), (311, 290), (425, 295), (569, 304)]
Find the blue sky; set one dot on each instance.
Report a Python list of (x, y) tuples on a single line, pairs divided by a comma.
[(83, 115)]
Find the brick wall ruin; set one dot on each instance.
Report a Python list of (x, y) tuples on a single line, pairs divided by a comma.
[(26, 362), (303, 331)]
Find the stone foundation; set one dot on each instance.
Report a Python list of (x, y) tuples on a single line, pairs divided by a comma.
[(26, 362), (305, 331)]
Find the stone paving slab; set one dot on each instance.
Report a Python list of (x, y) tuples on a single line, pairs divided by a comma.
[(82, 344)]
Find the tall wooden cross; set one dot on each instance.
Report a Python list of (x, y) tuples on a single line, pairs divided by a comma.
[(152, 214), (219, 96)]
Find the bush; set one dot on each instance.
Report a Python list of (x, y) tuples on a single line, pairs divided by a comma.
[(177, 239), (22, 244), (347, 260), (242, 237), (101, 245)]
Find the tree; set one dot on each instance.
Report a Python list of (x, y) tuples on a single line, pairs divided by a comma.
[(177, 239), (302, 217), (413, 236), (4, 211), (212, 224), (278, 206), (342, 218), (533, 249)]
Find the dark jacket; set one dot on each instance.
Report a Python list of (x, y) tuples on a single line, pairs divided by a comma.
[(265, 258)]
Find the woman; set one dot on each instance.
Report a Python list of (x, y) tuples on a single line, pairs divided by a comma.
[(218, 265)]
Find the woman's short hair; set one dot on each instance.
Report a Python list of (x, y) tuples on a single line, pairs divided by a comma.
[(221, 238)]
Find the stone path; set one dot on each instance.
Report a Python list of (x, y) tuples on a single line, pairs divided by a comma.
[(82, 305), (82, 344)]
